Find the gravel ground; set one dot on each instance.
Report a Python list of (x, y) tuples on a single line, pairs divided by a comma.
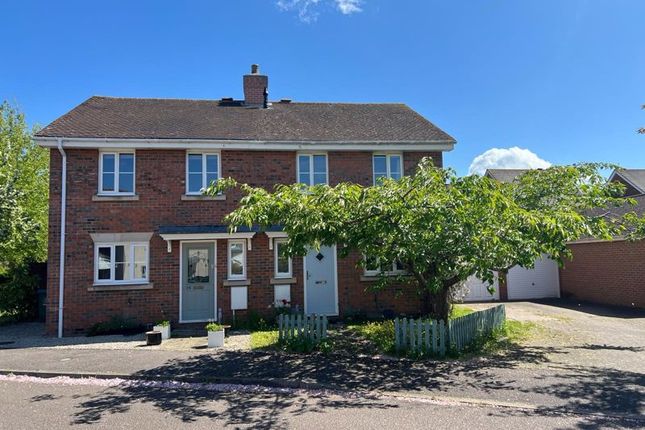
[(31, 335)]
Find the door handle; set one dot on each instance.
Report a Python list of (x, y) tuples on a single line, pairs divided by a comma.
[(308, 275)]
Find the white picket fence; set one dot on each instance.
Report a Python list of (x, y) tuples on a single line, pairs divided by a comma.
[(310, 327), (432, 337)]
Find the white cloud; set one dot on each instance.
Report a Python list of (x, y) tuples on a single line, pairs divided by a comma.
[(308, 9), (347, 7), (506, 158)]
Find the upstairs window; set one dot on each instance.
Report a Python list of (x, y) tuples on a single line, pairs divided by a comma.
[(201, 170), (387, 166), (116, 173), (236, 259), (121, 263), (283, 265), (312, 169)]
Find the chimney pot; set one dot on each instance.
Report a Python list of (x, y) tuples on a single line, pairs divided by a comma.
[(255, 69)]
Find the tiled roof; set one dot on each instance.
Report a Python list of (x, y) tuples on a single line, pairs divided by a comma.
[(134, 118), (636, 177), (505, 175)]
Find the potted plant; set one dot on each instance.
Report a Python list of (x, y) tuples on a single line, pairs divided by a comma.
[(164, 328), (215, 334)]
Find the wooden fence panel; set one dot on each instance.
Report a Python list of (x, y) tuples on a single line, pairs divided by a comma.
[(311, 327), (437, 338)]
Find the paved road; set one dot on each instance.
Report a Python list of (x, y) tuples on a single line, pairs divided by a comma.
[(590, 360), (37, 405)]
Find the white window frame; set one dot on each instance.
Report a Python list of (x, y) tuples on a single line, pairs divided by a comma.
[(276, 246), (393, 272), (204, 173), (112, 246), (388, 156), (116, 191), (311, 166), (231, 276)]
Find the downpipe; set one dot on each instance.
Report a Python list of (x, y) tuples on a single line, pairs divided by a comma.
[(61, 264)]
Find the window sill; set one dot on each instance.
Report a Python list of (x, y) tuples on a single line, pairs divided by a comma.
[(189, 197), (114, 198), (282, 281), (120, 287), (236, 282)]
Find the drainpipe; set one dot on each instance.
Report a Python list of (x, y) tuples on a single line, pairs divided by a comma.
[(61, 265)]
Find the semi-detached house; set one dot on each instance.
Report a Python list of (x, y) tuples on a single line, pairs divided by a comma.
[(132, 236)]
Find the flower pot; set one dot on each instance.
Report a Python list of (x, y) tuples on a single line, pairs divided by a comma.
[(216, 339), (164, 329)]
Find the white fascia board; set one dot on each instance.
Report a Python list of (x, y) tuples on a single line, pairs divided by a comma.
[(206, 236), (252, 145)]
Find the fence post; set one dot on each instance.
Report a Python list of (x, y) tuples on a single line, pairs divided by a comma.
[(427, 337), (442, 338)]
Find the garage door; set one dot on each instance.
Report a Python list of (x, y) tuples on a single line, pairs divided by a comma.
[(475, 290), (537, 283)]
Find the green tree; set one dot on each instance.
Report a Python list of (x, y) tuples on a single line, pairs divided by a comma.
[(24, 187), (440, 227)]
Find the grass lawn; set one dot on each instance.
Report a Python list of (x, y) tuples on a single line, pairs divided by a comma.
[(264, 339), (377, 337)]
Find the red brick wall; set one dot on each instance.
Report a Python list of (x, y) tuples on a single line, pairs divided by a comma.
[(160, 183), (606, 272)]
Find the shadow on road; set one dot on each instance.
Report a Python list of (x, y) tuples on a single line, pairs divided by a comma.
[(261, 411), (556, 388)]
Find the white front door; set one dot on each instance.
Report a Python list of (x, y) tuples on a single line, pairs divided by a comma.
[(321, 293)]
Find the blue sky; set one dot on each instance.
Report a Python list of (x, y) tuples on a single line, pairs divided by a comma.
[(564, 79)]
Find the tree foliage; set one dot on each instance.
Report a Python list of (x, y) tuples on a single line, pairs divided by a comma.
[(440, 227), (24, 187)]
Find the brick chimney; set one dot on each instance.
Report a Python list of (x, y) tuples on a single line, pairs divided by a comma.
[(255, 86)]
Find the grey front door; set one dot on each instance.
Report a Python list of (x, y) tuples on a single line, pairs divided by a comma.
[(320, 281), (198, 282)]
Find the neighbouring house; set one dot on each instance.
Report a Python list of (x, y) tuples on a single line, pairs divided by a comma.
[(610, 272), (519, 283), (131, 235)]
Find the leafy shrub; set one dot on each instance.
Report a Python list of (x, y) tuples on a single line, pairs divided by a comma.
[(116, 325), (18, 293), (253, 321), (164, 323), (213, 326)]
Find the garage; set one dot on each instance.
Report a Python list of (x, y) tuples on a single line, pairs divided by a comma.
[(523, 284), (537, 283), (476, 290)]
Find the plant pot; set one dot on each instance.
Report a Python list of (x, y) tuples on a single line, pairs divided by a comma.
[(164, 329), (216, 339)]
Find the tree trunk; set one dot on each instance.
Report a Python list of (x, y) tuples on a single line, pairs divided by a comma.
[(440, 304)]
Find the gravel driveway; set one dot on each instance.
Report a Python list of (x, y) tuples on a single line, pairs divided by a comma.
[(585, 335)]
